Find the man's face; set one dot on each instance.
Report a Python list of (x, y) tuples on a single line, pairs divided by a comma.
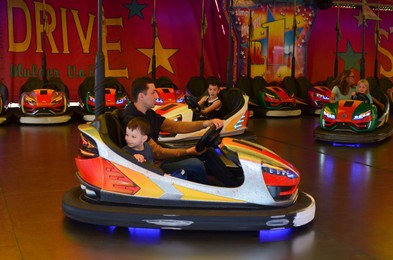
[(149, 99)]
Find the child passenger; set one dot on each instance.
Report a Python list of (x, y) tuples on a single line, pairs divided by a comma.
[(364, 87), (137, 133), (211, 104)]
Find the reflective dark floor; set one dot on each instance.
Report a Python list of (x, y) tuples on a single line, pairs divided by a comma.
[(352, 187)]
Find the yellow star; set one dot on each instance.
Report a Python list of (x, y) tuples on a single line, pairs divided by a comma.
[(162, 56), (359, 17)]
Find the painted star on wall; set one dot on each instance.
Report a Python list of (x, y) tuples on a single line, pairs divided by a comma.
[(135, 9), (351, 58), (162, 56), (359, 17)]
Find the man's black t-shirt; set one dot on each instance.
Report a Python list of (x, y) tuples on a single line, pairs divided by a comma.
[(155, 120)]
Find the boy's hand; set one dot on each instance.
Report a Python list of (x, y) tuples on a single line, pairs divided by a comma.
[(140, 158)]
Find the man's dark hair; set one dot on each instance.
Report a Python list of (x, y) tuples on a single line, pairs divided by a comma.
[(139, 85), (141, 124)]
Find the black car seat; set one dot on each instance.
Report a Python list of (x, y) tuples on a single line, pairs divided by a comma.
[(304, 85), (374, 88), (196, 86), (244, 83), (114, 128), (330, 81), (4, 93), (31, 84), (384, 84), (258, 84), (165, 82), (232, 101), (291, 84)]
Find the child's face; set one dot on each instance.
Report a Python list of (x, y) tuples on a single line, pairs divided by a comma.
[(362, 88), (213, 91), (134, 138)]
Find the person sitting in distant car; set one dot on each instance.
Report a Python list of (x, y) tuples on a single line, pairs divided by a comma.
[(364, 88), (343, 86), (211, 104)]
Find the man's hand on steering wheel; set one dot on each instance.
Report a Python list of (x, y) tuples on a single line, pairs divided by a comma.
[(215, 121), (193, 151), (210, 139)]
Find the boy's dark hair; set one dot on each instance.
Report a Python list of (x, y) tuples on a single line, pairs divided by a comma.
[(139, 123), (214, 81), (139, 85)]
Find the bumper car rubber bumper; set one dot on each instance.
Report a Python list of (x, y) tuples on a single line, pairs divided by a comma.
[(76, 207), (379, 134)]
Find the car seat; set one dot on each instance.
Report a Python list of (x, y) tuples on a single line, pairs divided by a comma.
[(232, 101), (304, 85), (165, 82), (3, 93), (384, 84), (114, 128), (291, 84), (196, 86), (258, 84), (244, 83), (31, 84)]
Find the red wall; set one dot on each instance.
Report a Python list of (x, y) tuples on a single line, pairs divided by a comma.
[(71, 43)]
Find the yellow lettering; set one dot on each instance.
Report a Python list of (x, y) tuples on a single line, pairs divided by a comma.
[(112, 46), (64, 29), (23, 45), (383, 71), (85, 40), (50, 25)]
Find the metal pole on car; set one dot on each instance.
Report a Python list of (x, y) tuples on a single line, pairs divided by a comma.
[(155, 34), (362, 60), (293, 65), (338, 38), (100, 68), (203, 32), (44, 71), (229, 82), (250, 32)]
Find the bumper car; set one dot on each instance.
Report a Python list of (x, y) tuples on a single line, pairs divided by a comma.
[(169, 95), (168, 92), (354, 121), (309, 98), (5, 114), (116, 190), (234, 107), (268, 99), (115, 97), (44, 103)]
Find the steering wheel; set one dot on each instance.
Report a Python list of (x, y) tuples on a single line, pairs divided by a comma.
[(210, 139), (362, 97), (192, 103)]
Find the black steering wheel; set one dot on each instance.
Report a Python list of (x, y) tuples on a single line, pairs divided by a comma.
[(210, 139), (192, 103), (362, 97)]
